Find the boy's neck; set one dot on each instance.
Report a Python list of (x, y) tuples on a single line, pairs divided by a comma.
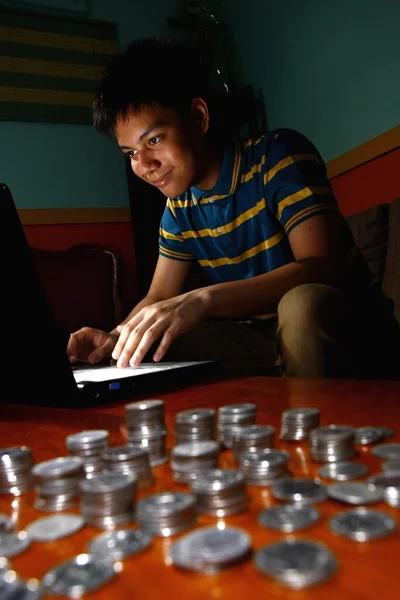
[(210, 160)]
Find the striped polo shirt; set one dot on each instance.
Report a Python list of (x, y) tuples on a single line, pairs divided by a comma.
[(240, 228)]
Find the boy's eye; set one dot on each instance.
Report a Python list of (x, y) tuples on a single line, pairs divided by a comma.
[(130, 154), (154, 140)]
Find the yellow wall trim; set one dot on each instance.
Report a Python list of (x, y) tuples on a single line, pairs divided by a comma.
[(69, 216), (381, 144)]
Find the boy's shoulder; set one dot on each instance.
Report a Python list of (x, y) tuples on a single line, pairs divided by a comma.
[(281, 142)]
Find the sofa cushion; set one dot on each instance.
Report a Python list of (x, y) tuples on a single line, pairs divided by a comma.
[(391, 281), (370, 229)]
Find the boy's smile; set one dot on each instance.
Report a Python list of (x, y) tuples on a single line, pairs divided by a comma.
[(166, 150)]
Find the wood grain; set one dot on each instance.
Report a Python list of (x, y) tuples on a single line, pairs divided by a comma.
[(367, 571)]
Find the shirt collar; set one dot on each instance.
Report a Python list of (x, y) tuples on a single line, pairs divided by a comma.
[(229, 175)]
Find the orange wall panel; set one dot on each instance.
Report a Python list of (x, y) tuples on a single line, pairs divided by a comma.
[(374, 182)]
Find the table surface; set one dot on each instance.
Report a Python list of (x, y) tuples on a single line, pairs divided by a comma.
[(366, 570)]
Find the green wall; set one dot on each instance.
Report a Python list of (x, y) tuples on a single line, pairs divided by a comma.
[(329, 69), (64, 166)]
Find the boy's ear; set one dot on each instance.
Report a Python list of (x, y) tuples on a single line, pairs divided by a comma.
[(200, 115)]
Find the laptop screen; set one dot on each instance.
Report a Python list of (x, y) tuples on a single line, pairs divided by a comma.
[(34, 361)]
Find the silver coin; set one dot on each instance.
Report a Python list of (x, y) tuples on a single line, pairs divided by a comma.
[(368, 435), (14, 588), (355, 492), (391, 465), (362, 524), (166, 503), (342, 470), (195, 449), (117, 545), (210, 549), (6, 524), (14, 543), (5, 565), (214, 480), (78, 576), (54, 527), (107, 482), (57, 467), (304, 490), (296, 563), (387, 432), (388, 451), (289, 517)]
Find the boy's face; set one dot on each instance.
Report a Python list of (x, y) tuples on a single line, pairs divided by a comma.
[(163, 149)]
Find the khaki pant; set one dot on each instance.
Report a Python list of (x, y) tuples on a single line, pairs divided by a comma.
[(319, 332)]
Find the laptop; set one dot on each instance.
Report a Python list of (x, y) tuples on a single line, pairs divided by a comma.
[(35, 369)]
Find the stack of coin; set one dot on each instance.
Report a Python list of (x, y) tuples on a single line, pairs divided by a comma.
[(129, 459), (89, 446), (297, 564), (220, 492), (56, 483), (107, 500), (298, 422), (264, 467), (145, 423), (15, 470), (210, 549), (231, 418), (188, 460), (166, 513), (389, 483), (254, 437), (195, 425), (332, 443)]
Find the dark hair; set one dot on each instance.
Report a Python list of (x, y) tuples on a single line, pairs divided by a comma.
[(149, 71)]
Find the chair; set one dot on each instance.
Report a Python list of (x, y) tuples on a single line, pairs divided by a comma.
[(82, 285)]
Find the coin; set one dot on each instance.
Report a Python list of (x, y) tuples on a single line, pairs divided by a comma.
[(6, 524), (304, 490), (362, 524), (355, 492), (389, 483), (388, 451), (77, 576), (296, 563), (5, 565), (289, 517), (368, 435), (387, 432), (211, 549), (119, 544), (343, 470), (14, 543), (54, 527), (14, 588), (391, 465)]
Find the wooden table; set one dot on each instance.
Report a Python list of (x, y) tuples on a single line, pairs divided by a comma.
[(367, 571)]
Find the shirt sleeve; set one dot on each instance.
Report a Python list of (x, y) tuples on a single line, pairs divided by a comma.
[(295, 180), (171, 241)]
